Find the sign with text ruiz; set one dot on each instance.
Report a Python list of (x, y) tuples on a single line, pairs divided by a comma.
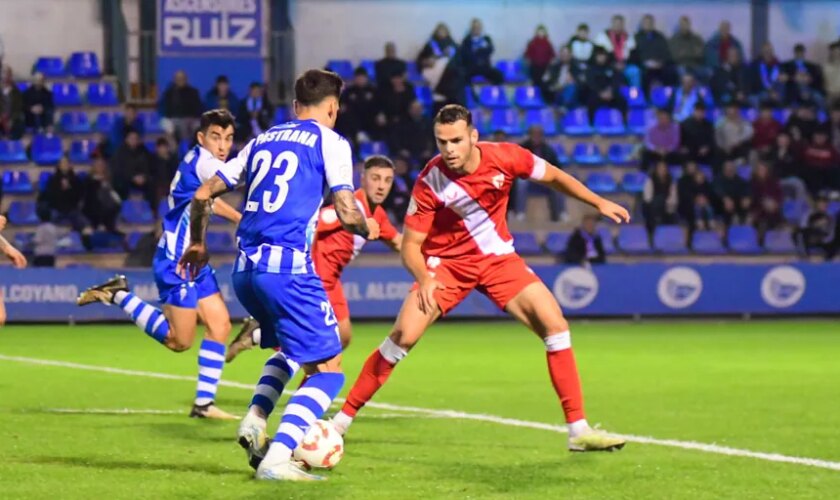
[(378, 292), (219, 27)]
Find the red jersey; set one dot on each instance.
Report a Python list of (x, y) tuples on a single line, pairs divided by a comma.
[(334, 248), (466, 214)]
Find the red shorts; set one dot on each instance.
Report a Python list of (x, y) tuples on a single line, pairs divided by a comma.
[(335, 294), (499, 277)]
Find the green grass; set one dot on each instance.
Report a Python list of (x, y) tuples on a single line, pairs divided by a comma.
[(761, 386)]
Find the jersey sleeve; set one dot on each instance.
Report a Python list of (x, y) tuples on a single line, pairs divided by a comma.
[(231, 172), (338, 161), (525, 164), (422, 207), (387, 231)]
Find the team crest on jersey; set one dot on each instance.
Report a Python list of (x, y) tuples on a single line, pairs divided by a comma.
[(412, 206), (499, 181)]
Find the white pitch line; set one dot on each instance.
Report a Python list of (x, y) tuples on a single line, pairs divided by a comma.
[(113, 411), (454, 414)]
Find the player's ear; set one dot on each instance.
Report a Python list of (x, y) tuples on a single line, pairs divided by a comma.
[(474, 135), (199, 137), (296, 105)]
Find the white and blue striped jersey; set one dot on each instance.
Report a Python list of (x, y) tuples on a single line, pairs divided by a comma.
[(286, 170)]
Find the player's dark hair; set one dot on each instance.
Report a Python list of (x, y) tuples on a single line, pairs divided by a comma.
[(378, 161), (452, 113), (316, 85), (220, 117)]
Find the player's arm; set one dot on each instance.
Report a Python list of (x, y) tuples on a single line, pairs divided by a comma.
[(12, 253), (556, 179), (224, 210), (395, 243), (352, 219), (338, 170), (413, 260)]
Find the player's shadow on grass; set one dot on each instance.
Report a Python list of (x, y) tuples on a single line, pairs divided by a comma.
[(109, 463), (194, 430)]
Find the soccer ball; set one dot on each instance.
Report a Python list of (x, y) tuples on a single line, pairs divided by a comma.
[(322, 447)]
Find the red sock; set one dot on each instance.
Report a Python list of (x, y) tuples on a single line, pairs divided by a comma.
[(564, 377), (375, 372)]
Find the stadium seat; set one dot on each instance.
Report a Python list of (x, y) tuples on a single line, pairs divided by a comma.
[(105, 121), (43, 179), (493, 97), (526, 243), (370, 67), (512, 70), (23, 241), (102, 94), (633, 239), (281, 115), (22, 213), (638, 120), (470, 101), (670, 240), (424, 95), (587, 153), (707, 243), (220, 242), (66, 94), (506, 120), (343, 67), (749, 114), (556, 242), (793, 211), (481, 120), (46, 149), (576, 123), (184, 147), (134, 238), (659, 96), (633, 182), (609, 122), (80, 151), (528, 97), (373, 148), (779, 241), (413, 74), (104, 242), (635, 97), (607, 239), (745, 172), (621, 154), (84, 65), (151, 122), (12, 152), (71, 244), (601, 183), (545, 118), (562, 156), (16, 182), (51, 67), (22, 86), (136, 212), (743, 240), (74, 122), (781, 115), (834, 208)]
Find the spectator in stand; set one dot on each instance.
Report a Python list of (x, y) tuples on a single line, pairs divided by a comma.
[(616, 41), (831, 74), (395, 102), (131, 168), (662, 141), (412, 136), (799, 64), (581, 47), (535, 143), (559, 83), (767, 79), (834, 125), (695, 195), (181, 106), (45, 240), (732, 193), (659, 198), (38, 105), (585, 246), (783, 160), (389, 66), (687, 50), (122, 124), (820, 164), (101, 203), (143, 254), (397, 201), (539, 54), (164, 166), (603, 85), (802, 123), (686, 97), (730, 80), (440, 45), (63, 196), (800, 90), (765, 130), (256, 113), (817, 232), (359, 107), (697, 137), (733, 135), (476, 51), (221, 96), (12, 117), (440, 63), (499, 136), (653, 55), (717, 48), (767, 198)]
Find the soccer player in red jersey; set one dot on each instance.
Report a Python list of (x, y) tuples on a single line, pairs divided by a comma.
[(456, 240)]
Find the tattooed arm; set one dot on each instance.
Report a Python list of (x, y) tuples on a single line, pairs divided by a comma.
[(196, 256), (352, 219)]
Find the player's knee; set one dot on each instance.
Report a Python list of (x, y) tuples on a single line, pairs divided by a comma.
[(219, 331), (557, 325), (176, 345), (403, 339)]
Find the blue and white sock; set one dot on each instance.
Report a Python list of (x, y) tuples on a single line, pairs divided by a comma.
[(277, 372), (309, 403), (148, 317), (211, 360)]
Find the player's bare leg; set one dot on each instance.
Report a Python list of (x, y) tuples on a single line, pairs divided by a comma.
[(214, 314), (409, 327), (537, 308), (2, 310)]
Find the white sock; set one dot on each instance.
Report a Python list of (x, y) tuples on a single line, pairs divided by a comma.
[(342, 422), (277, 454), (256, 336), (578, 428), (119, 296)]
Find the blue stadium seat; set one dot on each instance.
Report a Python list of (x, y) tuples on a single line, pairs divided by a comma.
[(493, 97), (343, 67), (184, 147), (105, 121), (793, 211), (659, 96), (607, 239), (782, 115), (528, 97), (506, 120), (834, 208), (373, 148), (633, 182), (102, 94), (370, 67), (66, 94), (134, 238), (587, 153), (670, 240), (745, 172), (609, 122), (23, 241), (151, 122), (136, 212), (80, 151), (562, 156), (220, 242), (162, 208), (601, 183), (779, 241), (22, 86), (633, 239), (470, 102), (12, 152), (424, 95), (621, 154), (526, 243), (543, 117), (707, 243), (377, 247), (43, 179), (635, 97), (743, 240), (576, 123), (84, 65), (281, 115), (51, 67), (749, 114), (638, 120), (16, 182), (46, 149), (512, 70), (413, 74), (556, 241), (104, 242), (71, 244), (22, 213), (74, 122), (481, 120)]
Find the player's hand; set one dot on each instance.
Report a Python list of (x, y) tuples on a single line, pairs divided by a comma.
[(373, 229), (614, 211), (2, 222), (193, 261), (17, 258), (426, 295)]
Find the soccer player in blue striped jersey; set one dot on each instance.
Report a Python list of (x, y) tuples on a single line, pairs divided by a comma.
[(185, 301), (287, 168)]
